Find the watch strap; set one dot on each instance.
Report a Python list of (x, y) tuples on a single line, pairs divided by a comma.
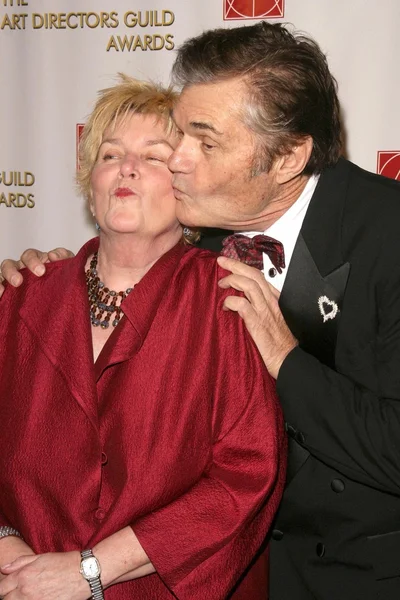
[(95, 584), (96, 588), (5, 531)]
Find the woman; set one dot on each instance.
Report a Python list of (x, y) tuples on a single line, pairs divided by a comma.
[(140, 432)]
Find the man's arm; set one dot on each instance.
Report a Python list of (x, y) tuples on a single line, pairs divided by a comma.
[(32, 259), (351, 428)]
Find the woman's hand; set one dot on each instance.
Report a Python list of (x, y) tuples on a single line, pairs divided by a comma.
[(12, 547), (53, 576)]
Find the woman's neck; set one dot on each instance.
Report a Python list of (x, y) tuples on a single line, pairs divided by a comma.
[(123, 259)]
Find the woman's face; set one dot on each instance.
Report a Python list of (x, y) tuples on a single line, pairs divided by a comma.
[(131, 183)]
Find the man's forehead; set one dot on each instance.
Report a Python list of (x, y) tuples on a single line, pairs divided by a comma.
[(209, 105)]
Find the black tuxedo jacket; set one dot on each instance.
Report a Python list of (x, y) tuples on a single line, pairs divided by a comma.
[(337, 534)]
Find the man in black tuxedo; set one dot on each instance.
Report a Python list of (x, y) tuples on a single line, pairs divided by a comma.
[(259, 152)]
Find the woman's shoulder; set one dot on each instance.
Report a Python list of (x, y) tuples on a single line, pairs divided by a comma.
[(31, 283), (199, 260), (200, 267)]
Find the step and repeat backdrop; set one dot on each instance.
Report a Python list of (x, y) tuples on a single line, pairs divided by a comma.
[(56, 54)]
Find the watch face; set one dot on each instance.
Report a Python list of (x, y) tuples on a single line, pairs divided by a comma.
[(90, 567)]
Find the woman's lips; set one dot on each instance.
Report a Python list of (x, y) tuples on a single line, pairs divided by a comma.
[(123, 192)]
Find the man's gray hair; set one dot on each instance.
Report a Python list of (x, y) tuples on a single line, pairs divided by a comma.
[(291, 93)]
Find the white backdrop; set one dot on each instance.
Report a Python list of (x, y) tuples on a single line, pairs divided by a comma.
[(56, 54)]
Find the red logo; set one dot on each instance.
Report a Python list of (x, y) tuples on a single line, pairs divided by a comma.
[(253, 9), (389, 164), (79, 129)]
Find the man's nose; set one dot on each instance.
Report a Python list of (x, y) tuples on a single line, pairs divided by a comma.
[(182, 159)]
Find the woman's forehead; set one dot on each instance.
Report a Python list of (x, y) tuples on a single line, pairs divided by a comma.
[(139, 125)]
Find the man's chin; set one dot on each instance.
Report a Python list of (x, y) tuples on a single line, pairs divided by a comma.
[(185, 216)]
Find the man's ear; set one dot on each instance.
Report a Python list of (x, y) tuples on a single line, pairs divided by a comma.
[(294, 162)]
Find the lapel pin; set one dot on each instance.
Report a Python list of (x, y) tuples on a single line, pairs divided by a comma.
[(327, 308)]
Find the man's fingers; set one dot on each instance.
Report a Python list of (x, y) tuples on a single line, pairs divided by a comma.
[(34, 260), (240, 305), (249, 287), (9, 271), (59, 254), (262, 297), (239, 268)]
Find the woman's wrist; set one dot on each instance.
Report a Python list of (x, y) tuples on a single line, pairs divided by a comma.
[(120, 555), (12, 547)]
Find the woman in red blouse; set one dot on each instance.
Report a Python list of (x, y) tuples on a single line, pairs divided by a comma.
[(142, 451)]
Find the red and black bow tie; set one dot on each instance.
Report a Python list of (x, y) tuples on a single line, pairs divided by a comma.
[(250, 250)]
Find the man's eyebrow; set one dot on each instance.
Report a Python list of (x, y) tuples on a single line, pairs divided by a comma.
[(204, 126)]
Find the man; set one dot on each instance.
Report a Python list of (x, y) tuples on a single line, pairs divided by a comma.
[(259, 152)]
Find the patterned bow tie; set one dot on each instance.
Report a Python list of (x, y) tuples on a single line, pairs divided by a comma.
[(250, 250)]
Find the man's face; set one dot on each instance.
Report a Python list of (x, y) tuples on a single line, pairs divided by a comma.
[(212, 164)]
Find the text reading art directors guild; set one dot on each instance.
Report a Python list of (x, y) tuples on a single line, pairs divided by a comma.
[(12, 198), (102, 20)]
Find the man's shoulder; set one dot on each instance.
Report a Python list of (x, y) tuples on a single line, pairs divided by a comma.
[(361, 182), (360, 195)]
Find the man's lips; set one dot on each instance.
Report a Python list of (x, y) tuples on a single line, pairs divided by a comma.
[(177, 191), (123, 192)]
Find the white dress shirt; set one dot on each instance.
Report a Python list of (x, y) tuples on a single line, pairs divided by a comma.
[(286, 229)]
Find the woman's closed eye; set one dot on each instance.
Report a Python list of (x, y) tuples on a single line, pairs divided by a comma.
[(110, 156), (157, 158)]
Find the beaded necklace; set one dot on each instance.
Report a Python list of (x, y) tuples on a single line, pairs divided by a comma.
[(103, 302)]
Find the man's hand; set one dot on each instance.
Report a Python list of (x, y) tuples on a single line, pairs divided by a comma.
[(34, 260), (53, 576), (260, 311)]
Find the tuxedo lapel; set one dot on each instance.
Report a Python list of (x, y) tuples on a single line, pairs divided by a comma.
[(311, 303), (312, 296), (56, 311)]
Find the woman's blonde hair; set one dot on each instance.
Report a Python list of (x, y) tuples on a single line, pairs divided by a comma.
[(115, 103)]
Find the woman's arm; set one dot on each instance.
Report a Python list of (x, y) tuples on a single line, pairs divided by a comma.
[(56, 575)]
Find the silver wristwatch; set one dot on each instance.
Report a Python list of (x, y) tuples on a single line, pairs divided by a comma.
[(5, 531), (90, 570)]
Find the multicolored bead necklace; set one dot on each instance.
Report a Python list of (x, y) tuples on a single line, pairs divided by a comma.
[(103, 302)]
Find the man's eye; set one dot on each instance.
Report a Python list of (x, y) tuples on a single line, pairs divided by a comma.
[(156, 159), (109, 156), (207, 147)]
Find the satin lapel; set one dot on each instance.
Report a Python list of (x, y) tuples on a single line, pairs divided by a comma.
[(56, 312), (312, 296), (139, 309)]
